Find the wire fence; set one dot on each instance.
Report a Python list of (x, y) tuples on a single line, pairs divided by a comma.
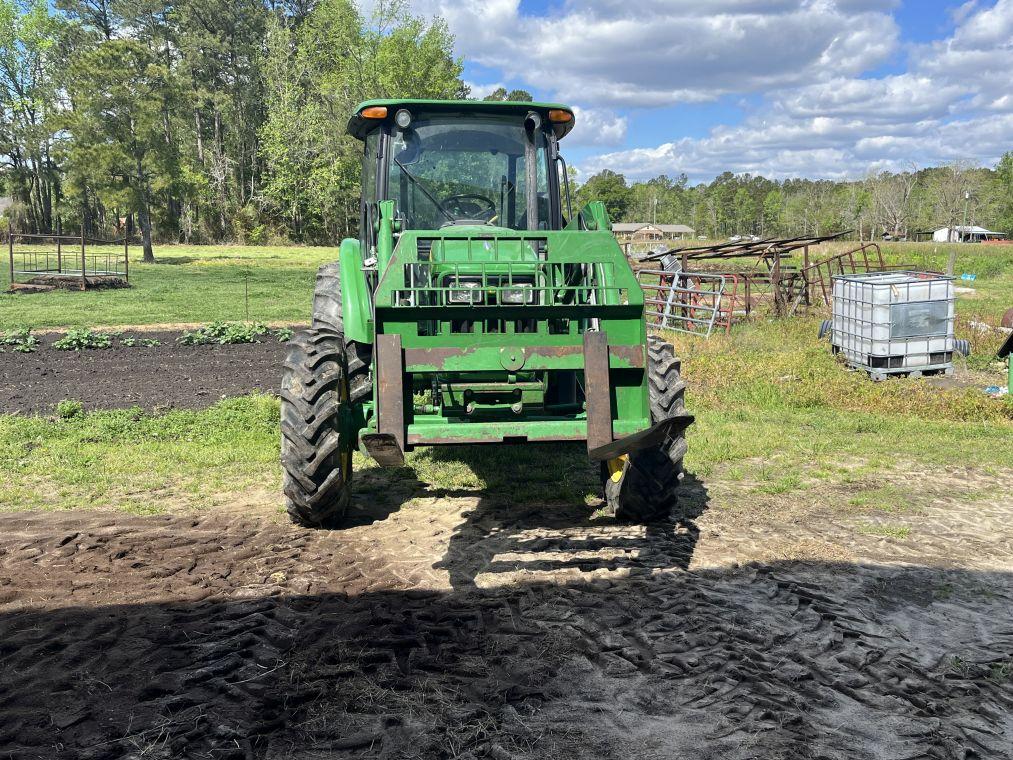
[(66, 260)]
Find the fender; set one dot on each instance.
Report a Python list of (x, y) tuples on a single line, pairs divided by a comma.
[(355, 295)]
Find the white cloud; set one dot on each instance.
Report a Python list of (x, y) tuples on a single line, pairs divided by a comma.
[(821, 114), (908, 97), (953, 104), (978, 56), (479, 91), (605, 53), (593, 126), (820, 147)]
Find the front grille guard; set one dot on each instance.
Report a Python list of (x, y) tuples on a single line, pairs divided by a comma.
[(458, 285)]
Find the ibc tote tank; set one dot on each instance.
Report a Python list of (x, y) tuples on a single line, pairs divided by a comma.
[(894, 322)]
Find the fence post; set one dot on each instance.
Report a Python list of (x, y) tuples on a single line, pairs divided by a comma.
[(778, 296), (126, 257), (84, 279), (59, 246), (951, 262), (805, 276), (10, 249)]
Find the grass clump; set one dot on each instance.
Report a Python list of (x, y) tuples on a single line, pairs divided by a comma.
[(68, 409), (886, 531), (20, 340), (83, 339)]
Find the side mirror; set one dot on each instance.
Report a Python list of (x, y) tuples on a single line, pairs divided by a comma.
[(411, 151), (532, 123)]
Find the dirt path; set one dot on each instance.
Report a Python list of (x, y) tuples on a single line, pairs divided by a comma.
[(458, 627), (165, 376)]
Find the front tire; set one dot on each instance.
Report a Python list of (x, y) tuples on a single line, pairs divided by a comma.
[(328, 315), (646, 490), (316, 459)]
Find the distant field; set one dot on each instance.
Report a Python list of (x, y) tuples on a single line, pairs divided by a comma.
[(187, 284)]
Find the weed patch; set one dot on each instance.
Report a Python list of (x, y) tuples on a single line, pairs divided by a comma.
[(83, 339), (20, 340), (226, 333), (68, 409)]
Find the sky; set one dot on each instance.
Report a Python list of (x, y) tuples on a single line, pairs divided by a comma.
[(783, 88)]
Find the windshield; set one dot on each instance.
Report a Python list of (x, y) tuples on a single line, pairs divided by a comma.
[(447, 170)]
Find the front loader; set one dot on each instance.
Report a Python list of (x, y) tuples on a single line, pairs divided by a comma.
[(474, 309)]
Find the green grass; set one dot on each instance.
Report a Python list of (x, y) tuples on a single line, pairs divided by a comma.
[(189, 284), (147, 463), (887, 498), (886, 531), (776, 410), (228, 455), (137, 461)]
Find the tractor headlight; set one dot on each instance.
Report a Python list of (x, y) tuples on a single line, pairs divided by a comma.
[(517, 294), (466, 293)]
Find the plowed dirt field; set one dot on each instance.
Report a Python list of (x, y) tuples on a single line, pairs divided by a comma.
[(166, 376)]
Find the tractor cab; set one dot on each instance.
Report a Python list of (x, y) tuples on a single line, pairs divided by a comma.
[(462, 164)]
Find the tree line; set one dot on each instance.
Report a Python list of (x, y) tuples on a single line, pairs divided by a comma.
[(200, 120), (897, 205)]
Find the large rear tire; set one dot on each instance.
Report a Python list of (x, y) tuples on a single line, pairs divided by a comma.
[(646, 489), (327, 298), (316, 458)]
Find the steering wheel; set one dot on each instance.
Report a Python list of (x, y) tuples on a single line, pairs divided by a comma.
[(470, 206)]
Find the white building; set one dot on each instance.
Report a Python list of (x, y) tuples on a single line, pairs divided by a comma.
[(969, 234)]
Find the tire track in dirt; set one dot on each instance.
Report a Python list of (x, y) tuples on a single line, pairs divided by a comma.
[(470, 628)]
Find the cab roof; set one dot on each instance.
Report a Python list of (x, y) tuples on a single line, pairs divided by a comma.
[(358, 126)]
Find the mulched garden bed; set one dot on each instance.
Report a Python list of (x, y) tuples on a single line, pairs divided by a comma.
[(166, 376)]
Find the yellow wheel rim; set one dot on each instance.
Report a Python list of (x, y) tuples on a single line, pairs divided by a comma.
[(616, 468)]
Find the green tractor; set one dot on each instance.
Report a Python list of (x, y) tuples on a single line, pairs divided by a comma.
[(474, 308)]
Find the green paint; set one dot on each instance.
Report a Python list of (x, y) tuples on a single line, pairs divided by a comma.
[(484, 358), (592, 216), (495, 432), (385, 229), (355, 297)]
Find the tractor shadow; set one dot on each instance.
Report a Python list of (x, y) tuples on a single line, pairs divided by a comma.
[(535, 518), (503, 543)]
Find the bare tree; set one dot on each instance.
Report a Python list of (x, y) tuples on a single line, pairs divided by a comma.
[(892, 201), (951, 190)]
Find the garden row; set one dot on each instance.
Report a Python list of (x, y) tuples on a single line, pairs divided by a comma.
[(21, 340)]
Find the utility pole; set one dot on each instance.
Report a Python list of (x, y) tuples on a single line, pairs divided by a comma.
[(967, 198)]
